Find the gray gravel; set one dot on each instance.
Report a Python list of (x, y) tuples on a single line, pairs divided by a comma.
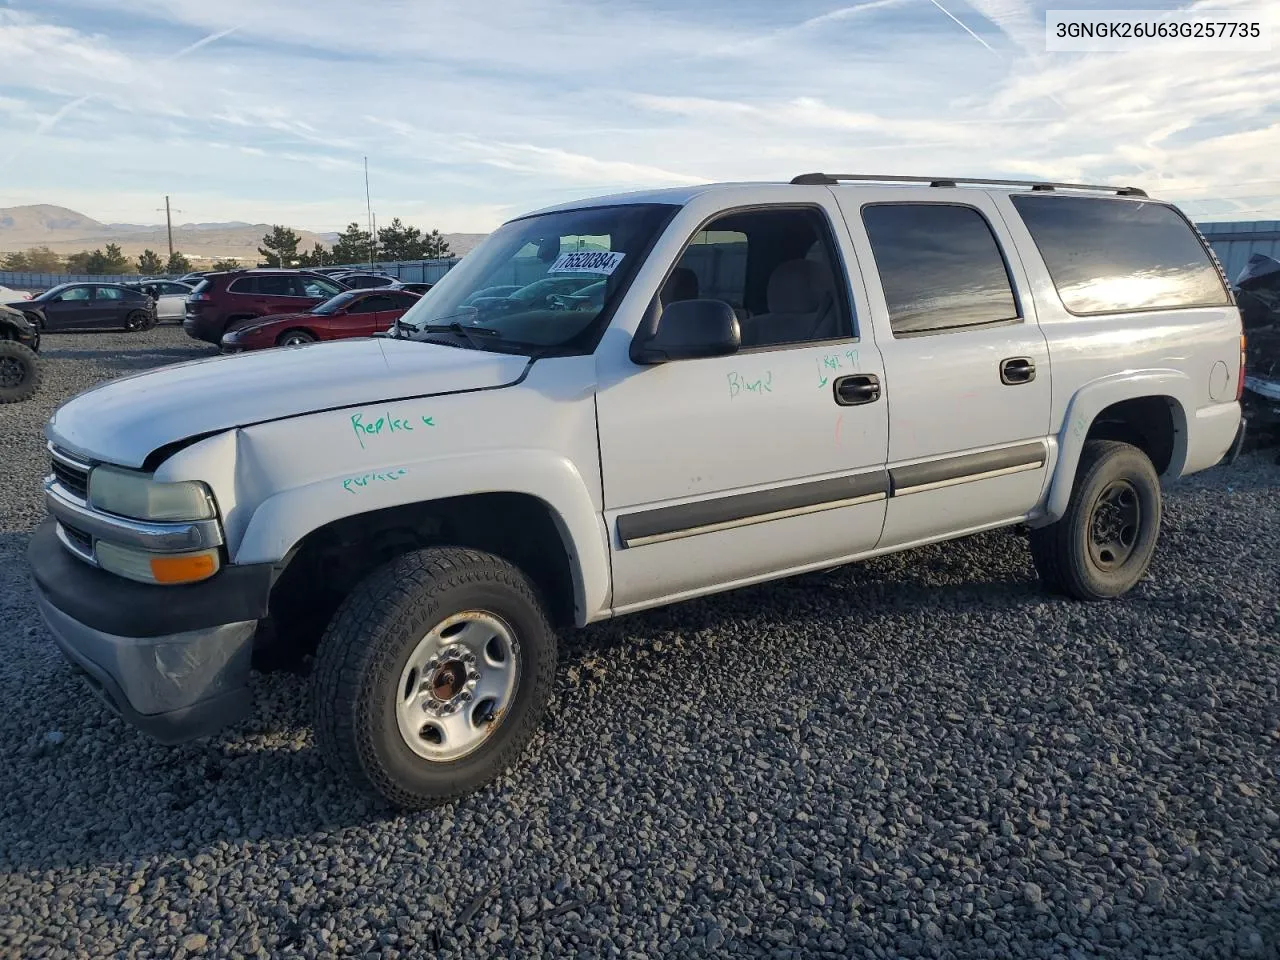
[(918, 756)]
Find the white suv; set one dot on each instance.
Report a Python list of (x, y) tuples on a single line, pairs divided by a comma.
[(724, 384)]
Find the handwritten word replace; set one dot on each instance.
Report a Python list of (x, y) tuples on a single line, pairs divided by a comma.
[(354, 484), (385, 425)]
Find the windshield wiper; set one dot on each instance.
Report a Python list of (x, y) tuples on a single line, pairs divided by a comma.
[(460, 330)]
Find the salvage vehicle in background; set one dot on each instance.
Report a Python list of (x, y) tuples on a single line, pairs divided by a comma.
[(10, 295), (778, 378), (361, 281), (223, 299), (352, 313), (20, 372), (1258, 293), (89, 306), (170, 296)]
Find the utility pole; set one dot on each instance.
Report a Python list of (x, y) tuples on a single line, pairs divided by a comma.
[(368, 205), (168, 220)]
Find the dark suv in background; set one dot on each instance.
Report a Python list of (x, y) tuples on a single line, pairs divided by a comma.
[(221, 299)]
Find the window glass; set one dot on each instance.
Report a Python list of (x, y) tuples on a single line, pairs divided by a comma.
[(372, 304), (760, 262), (314, 287), (1107, 255), (276, 285), (244, 285), (107, 293), (74, 294), (940, 267), (540, 281)]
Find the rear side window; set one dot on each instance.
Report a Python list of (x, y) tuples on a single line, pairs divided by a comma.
[(940, 266), (244, 285), (1107, 256)]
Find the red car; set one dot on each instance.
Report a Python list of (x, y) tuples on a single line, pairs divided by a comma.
[(352, 313), (223, 300)]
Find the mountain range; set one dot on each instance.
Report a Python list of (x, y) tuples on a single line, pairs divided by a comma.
[(67, 231)]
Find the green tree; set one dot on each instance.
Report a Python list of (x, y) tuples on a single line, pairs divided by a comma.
[(225, 265), (114, 261), (79, 262), (352, 245), (150, 263), (398, 242), (178, 264), (434, 246), (37, 259), (99, 262), (279, 247), (317, 256)]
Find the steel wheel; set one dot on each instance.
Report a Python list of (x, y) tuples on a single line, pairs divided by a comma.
[(1114, 525), (456, 686)]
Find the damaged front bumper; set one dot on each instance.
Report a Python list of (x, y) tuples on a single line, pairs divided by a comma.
[(172, 661)]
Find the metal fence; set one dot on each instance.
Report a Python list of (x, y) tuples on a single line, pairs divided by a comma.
[(1235, 242)]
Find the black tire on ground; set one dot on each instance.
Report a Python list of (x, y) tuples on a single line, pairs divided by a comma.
[(20, 372), (294, 337), (367, 646), (1104, 543), (136, 320)]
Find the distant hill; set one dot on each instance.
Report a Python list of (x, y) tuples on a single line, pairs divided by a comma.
[(67, 231)]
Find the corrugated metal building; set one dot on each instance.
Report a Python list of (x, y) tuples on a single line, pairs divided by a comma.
[(1237, 241)]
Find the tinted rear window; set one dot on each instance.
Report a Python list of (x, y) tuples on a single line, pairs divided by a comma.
[(940, 266), (1109, 255)]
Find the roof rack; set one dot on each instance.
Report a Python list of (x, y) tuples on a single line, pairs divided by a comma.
[(1044, 186)]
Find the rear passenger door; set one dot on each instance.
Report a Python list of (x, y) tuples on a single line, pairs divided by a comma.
[(966, 365)]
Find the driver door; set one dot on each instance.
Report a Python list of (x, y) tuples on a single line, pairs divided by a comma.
[(721, 471), (72, 310)]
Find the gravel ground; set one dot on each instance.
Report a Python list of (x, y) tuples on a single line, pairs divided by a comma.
[(918, 756)]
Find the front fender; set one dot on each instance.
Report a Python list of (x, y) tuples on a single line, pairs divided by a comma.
[(1094, 397), (281, 520)]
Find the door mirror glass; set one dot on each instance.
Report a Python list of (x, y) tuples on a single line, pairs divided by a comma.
[(688, 330)]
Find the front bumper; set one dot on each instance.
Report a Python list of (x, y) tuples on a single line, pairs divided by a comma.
[(173, 661)]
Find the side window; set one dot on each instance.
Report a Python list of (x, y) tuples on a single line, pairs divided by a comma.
[(402, 301), (1107, 255), (244, 285), (275, 285), (940, 266), (761, 263), (74, 294), (107, 293), (313, 287), (371, 305)]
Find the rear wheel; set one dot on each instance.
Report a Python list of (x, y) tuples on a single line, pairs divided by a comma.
[(1104, 543), (20, 372), (433, 676), (293, 338)]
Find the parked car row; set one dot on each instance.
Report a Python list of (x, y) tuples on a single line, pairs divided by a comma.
[(80, 306)]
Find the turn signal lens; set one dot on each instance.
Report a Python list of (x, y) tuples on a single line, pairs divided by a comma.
[(187, 569)]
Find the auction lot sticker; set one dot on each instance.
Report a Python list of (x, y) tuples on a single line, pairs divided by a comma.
[(587, 261)]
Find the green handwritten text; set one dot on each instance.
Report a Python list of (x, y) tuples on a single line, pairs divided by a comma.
[(739, 383), (355, 484)]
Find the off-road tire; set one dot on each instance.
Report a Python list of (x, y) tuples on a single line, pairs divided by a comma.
[(14, 353), (369, 640), (1061, 551)]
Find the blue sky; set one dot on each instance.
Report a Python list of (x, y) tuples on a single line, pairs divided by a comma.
[(472, 112)]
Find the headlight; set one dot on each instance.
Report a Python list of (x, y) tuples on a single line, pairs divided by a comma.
[(127, 493), (172, 568)]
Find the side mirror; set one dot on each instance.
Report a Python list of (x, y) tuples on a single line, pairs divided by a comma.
[(689, 330)]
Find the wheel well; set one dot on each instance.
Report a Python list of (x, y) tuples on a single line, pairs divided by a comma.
[(328, 562), (1151, 424), (309, 333)]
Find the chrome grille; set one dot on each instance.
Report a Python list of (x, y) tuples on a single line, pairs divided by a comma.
[(72, 474)]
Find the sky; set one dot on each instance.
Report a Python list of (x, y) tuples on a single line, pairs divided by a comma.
[(473, 112)]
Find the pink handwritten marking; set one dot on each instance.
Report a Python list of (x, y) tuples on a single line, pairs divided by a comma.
[(839, 424)]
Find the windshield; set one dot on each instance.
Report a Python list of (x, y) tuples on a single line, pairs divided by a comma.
[(539, 282), (334, 304)]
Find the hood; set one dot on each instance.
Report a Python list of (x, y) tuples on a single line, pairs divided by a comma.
[(124, 420), (257, 323)]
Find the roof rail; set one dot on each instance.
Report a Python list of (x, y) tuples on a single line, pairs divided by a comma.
[(1038, 185)]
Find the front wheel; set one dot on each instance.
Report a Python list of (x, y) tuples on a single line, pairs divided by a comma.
[(1104, 543), (433, 676), (135, 321), (293, 338), (20, 372)]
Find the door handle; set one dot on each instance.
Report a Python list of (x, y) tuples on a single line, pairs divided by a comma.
[(858, 388), (1017, 370)]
